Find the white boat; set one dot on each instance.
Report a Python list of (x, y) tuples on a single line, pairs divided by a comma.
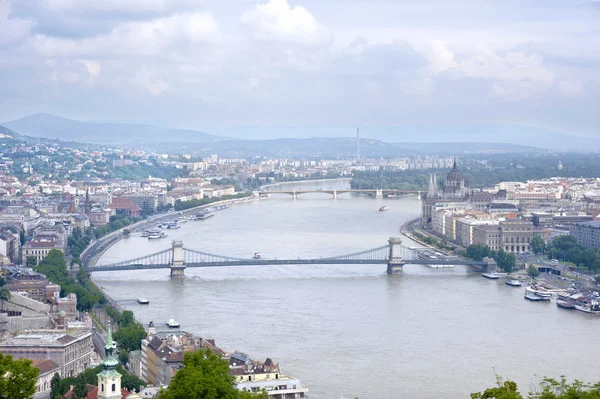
[(155, 235), (590, 308), (143, 301), (538, 291), (172, 323), (204, 216), (384, 208), (256, 255), (513, 283), (173, 225), (494, 275)]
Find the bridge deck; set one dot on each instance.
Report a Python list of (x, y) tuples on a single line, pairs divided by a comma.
[(291, 262)]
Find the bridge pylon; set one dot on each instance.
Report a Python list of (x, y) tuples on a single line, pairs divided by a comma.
[(395, 260), (379, 193), (177, 264), (335, 194)]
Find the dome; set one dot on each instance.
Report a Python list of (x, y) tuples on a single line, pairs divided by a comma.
[(454, 175)]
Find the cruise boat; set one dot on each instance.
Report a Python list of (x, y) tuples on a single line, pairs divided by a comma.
[(535, 297), (143, 301), (384, 208), (589, 307), (534, 289), (561, 303), (157, 234), (173, 225), (513, 283), (256, 255), (494, 275), (172, 323)]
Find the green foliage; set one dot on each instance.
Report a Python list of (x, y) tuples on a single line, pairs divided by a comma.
[(31, 261), (55, 268), (566, 248), (55, 387), (180, 206), (123, 356), (130, 337), (533, 271), (90, 376), (4, 296), (80, 389), (227, 182), (77, 242), (597, 278), (205, 376), (116, 222), (537, 245), (2, 281), (22, 237), (17, 378), (549, 388), (432, 241), (478, 252), (507, 261)]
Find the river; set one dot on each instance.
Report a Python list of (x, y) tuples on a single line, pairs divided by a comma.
[(352, 330)]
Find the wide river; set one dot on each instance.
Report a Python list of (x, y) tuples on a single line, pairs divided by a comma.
[(349, 331)]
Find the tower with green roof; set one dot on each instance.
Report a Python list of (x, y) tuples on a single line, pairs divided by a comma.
[(109, 380)]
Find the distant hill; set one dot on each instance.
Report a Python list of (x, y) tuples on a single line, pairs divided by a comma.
[(315, 147), (506, 134), (55, 127), (467, 148)]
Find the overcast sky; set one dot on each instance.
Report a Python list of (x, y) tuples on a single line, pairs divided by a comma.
[(207, 64)]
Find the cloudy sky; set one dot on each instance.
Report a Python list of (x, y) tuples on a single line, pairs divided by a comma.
[(209, 64)]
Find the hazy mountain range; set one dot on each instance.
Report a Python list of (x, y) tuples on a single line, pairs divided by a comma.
[(241, 141)]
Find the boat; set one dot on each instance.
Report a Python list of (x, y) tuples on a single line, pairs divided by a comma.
[(157, 234), (143, 301), (173, 225), (384, 208), (535, 297), (561, 303), (589, 307), (204, 215), (172, 323), (256, 255), (534, 289), (494, 275), (513, 283), (145, 233)]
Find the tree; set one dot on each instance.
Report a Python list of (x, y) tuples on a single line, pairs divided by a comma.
[(205, 376), (31, 261), (22, 237), (597, 279), (80, 389), (17, 378), (533, 271), (537, 245), (503, 390), (123, 356), (55, 387), (2, 281)]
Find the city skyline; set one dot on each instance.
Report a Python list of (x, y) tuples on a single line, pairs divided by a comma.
[(208, 66)]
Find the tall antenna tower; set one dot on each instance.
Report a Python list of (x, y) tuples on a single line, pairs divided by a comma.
[(357, 146)]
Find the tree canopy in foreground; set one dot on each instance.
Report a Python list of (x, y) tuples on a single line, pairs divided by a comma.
[(549, 388), (17, 378), (205, 376)]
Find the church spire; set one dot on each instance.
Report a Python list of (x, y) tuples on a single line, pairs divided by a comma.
[(454, 165), (109, 379), (109, 362)]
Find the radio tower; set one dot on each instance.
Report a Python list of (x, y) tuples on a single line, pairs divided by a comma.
[(357, 146)]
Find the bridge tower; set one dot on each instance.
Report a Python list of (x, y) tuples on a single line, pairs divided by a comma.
[(334, 194), (379, 193), (294, 195), (395, 259), (177, 264)]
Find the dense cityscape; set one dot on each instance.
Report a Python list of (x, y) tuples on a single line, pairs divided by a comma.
[(289, 199)]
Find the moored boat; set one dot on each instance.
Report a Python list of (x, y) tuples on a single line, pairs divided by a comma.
[(561, 303), (157, 234), (494, 275), (539, 291), (384, 208), (589, 307), (534, 297), (513, 283), (143, 301), (171, 323), (204, 215)]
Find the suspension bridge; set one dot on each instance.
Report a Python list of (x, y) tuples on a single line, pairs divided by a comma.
[(393, 254)]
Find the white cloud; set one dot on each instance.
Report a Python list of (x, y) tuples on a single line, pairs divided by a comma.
[(12, 29), (130, 6), (149, 79), (277, 20), (439, 57), (145, 38), (516, 74)]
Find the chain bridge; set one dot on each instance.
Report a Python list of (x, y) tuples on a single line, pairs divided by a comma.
[(393, 254)]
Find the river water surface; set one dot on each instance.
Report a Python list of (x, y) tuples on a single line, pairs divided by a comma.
[(352, 330)]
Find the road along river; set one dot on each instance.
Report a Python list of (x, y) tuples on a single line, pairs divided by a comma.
[(352, 330)]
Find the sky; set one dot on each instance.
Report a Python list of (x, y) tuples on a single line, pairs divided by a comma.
[(213, 64)]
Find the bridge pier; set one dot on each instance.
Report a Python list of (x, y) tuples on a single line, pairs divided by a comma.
[(419, 195), (334, 194), (395, 260), (177, 264), (490, 266), (379, 193), (294, 195)]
